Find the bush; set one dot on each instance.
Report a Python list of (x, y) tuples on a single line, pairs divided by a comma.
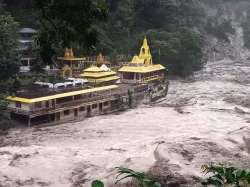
[(97, 183), (226, 176), (180, 51)]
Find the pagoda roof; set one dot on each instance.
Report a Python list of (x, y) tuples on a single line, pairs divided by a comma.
[(70, 58), (105, 79), (98, 74), (93, 69), (142, 69)]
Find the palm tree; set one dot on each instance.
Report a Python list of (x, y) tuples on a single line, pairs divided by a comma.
[(143, 179)]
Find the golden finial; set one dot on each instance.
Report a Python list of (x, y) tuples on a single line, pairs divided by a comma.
[(145, 41), (100, 59), (66, 53), (71, 53)]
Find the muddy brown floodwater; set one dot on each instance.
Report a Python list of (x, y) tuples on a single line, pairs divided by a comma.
[(204, 119)]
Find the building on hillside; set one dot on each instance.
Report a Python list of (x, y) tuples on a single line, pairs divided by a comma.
[(99, 76), (26, 47), (69, 65), (50, 106), (141, 69)]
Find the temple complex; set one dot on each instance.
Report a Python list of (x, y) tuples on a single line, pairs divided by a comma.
[(141, 69), (97, 91), (99, 76), (58, 106), (71, 66)]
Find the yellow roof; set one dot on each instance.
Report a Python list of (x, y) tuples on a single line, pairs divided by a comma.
[(142, 69), (137, 60), (56, 96), (106, 79), (145, 53), (93, 69), (70, 58), (97, 74)]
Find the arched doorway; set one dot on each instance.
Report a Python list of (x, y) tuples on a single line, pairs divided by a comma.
[(66, 71)]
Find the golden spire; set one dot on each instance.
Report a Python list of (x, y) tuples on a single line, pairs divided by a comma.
[(71, 53), (145, 53), (66, 53), (100, 59), (145, 42)]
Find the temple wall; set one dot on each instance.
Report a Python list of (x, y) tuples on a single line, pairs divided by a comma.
[(24, 106)]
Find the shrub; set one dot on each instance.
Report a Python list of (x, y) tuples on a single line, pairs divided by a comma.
[(143, 179), (97, 183), (226, 176)]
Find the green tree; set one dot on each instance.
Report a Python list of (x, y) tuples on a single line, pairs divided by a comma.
[(180, 51), (66, 23), (8, 48)]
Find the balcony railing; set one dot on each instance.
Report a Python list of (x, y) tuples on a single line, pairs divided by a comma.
[(63, 105)]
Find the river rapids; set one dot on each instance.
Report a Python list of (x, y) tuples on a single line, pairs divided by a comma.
[(204, 119)]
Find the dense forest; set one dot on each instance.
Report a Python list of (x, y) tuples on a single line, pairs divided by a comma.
[(179, 31), (119, 30)]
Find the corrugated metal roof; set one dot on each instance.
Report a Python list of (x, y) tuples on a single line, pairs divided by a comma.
[(71, 58), (85, 91), (106, 79), (27, 30), (97, 74), (93, 69)]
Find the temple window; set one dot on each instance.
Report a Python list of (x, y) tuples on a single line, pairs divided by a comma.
[(78, 97), (66, 112), (82, 109), (18, 104), (38, 105), (94, 106)]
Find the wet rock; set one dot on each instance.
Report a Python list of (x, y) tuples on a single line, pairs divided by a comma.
[(119, 150), (78, 176), (239, 110), (179, 110), (17, 157), (167, 174), (239, 100)]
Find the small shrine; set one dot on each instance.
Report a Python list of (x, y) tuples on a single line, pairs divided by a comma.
[(141, 69), (70, 65), (99, 76)]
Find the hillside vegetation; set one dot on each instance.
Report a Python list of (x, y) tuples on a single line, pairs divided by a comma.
[(180, 32)]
